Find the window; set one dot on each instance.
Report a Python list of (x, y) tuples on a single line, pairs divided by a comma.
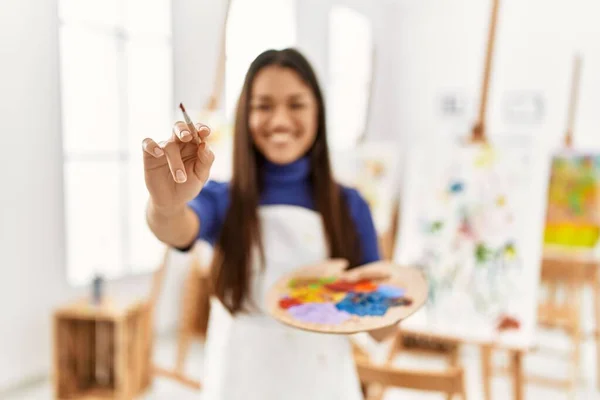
[(251, 30), (116, 88), (350, 70)]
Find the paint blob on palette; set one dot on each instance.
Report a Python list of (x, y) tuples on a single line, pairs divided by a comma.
[(331, 301)]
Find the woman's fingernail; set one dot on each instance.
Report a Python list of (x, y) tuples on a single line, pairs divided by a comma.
[(180, 175), (185, 134), (158, 151), (204, 128)]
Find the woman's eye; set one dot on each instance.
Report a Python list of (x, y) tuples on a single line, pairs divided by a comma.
[(297, 106), (262, 107)]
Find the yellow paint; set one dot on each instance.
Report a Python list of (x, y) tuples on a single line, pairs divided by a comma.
[(501, 201), (510, 253), (572, 235), (486, 157)]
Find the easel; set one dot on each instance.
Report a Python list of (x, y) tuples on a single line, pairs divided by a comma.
[(515, 368), (446, 347), (157, 282), (574, 272), (195, 309)]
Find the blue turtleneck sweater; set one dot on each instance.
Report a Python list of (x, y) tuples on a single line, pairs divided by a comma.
[(283, 185)]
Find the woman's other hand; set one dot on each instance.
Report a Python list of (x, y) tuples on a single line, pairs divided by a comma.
[(375, 270)]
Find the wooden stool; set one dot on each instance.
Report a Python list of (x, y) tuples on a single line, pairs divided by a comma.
[(102, 351), (450, 382)]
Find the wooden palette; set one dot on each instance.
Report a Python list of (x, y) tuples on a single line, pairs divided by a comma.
[(337, 304)]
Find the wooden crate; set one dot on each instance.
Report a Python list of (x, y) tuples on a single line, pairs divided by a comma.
[(102, 352)]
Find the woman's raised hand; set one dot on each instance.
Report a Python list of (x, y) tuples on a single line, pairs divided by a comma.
[(175, 170)]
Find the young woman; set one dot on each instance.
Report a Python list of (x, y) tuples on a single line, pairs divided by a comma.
[(282, 210)]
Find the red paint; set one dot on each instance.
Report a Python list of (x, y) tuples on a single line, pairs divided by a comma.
[(287, 302), (340, 286), (507, 323), (362, 286), (365, 287)]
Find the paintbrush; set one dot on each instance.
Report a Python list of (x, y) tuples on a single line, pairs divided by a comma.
[(190, 125)]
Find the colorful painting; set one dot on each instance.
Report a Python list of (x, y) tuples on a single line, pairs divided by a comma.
[(331, 301), (573, 218), (472, 221)]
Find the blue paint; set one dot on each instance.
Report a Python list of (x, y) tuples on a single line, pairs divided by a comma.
[(363, 304), (456, 187), (390, 291)]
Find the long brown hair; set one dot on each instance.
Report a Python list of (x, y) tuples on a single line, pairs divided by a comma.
[(241, 234)]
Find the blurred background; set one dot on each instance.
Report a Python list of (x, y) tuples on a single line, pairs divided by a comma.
[(82, 82)]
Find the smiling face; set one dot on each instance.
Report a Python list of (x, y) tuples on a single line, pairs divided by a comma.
[(283, 115)]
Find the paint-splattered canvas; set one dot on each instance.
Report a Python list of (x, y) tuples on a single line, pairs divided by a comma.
[(472, 220), (573, 218)]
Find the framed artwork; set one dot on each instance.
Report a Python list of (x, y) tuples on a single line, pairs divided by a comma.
[(473, 222)]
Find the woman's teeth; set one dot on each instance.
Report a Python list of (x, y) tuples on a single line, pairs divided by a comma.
[(280, 138)]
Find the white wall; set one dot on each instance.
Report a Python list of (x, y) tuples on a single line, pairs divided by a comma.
[(32, 274), (439, 47), (313, 39), (31, 244), (196, 47)]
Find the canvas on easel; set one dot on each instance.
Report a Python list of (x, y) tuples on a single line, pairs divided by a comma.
[(473, 217), (571, 241), (573, 219)]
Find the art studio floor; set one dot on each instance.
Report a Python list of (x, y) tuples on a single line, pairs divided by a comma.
[(164, 389)]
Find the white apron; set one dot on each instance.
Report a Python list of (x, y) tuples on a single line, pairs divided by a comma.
[(254, 357)]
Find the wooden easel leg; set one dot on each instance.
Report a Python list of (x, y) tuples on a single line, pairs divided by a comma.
[(463, 386), (596, 291), (486, 371), (574, 298), (517, 371), (576, 375), (395, 348), (183, 348), (378, 395), (188, 315), (454, 362), (377, 391)]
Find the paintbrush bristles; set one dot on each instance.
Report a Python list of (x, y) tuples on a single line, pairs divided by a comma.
[(190, 125)]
